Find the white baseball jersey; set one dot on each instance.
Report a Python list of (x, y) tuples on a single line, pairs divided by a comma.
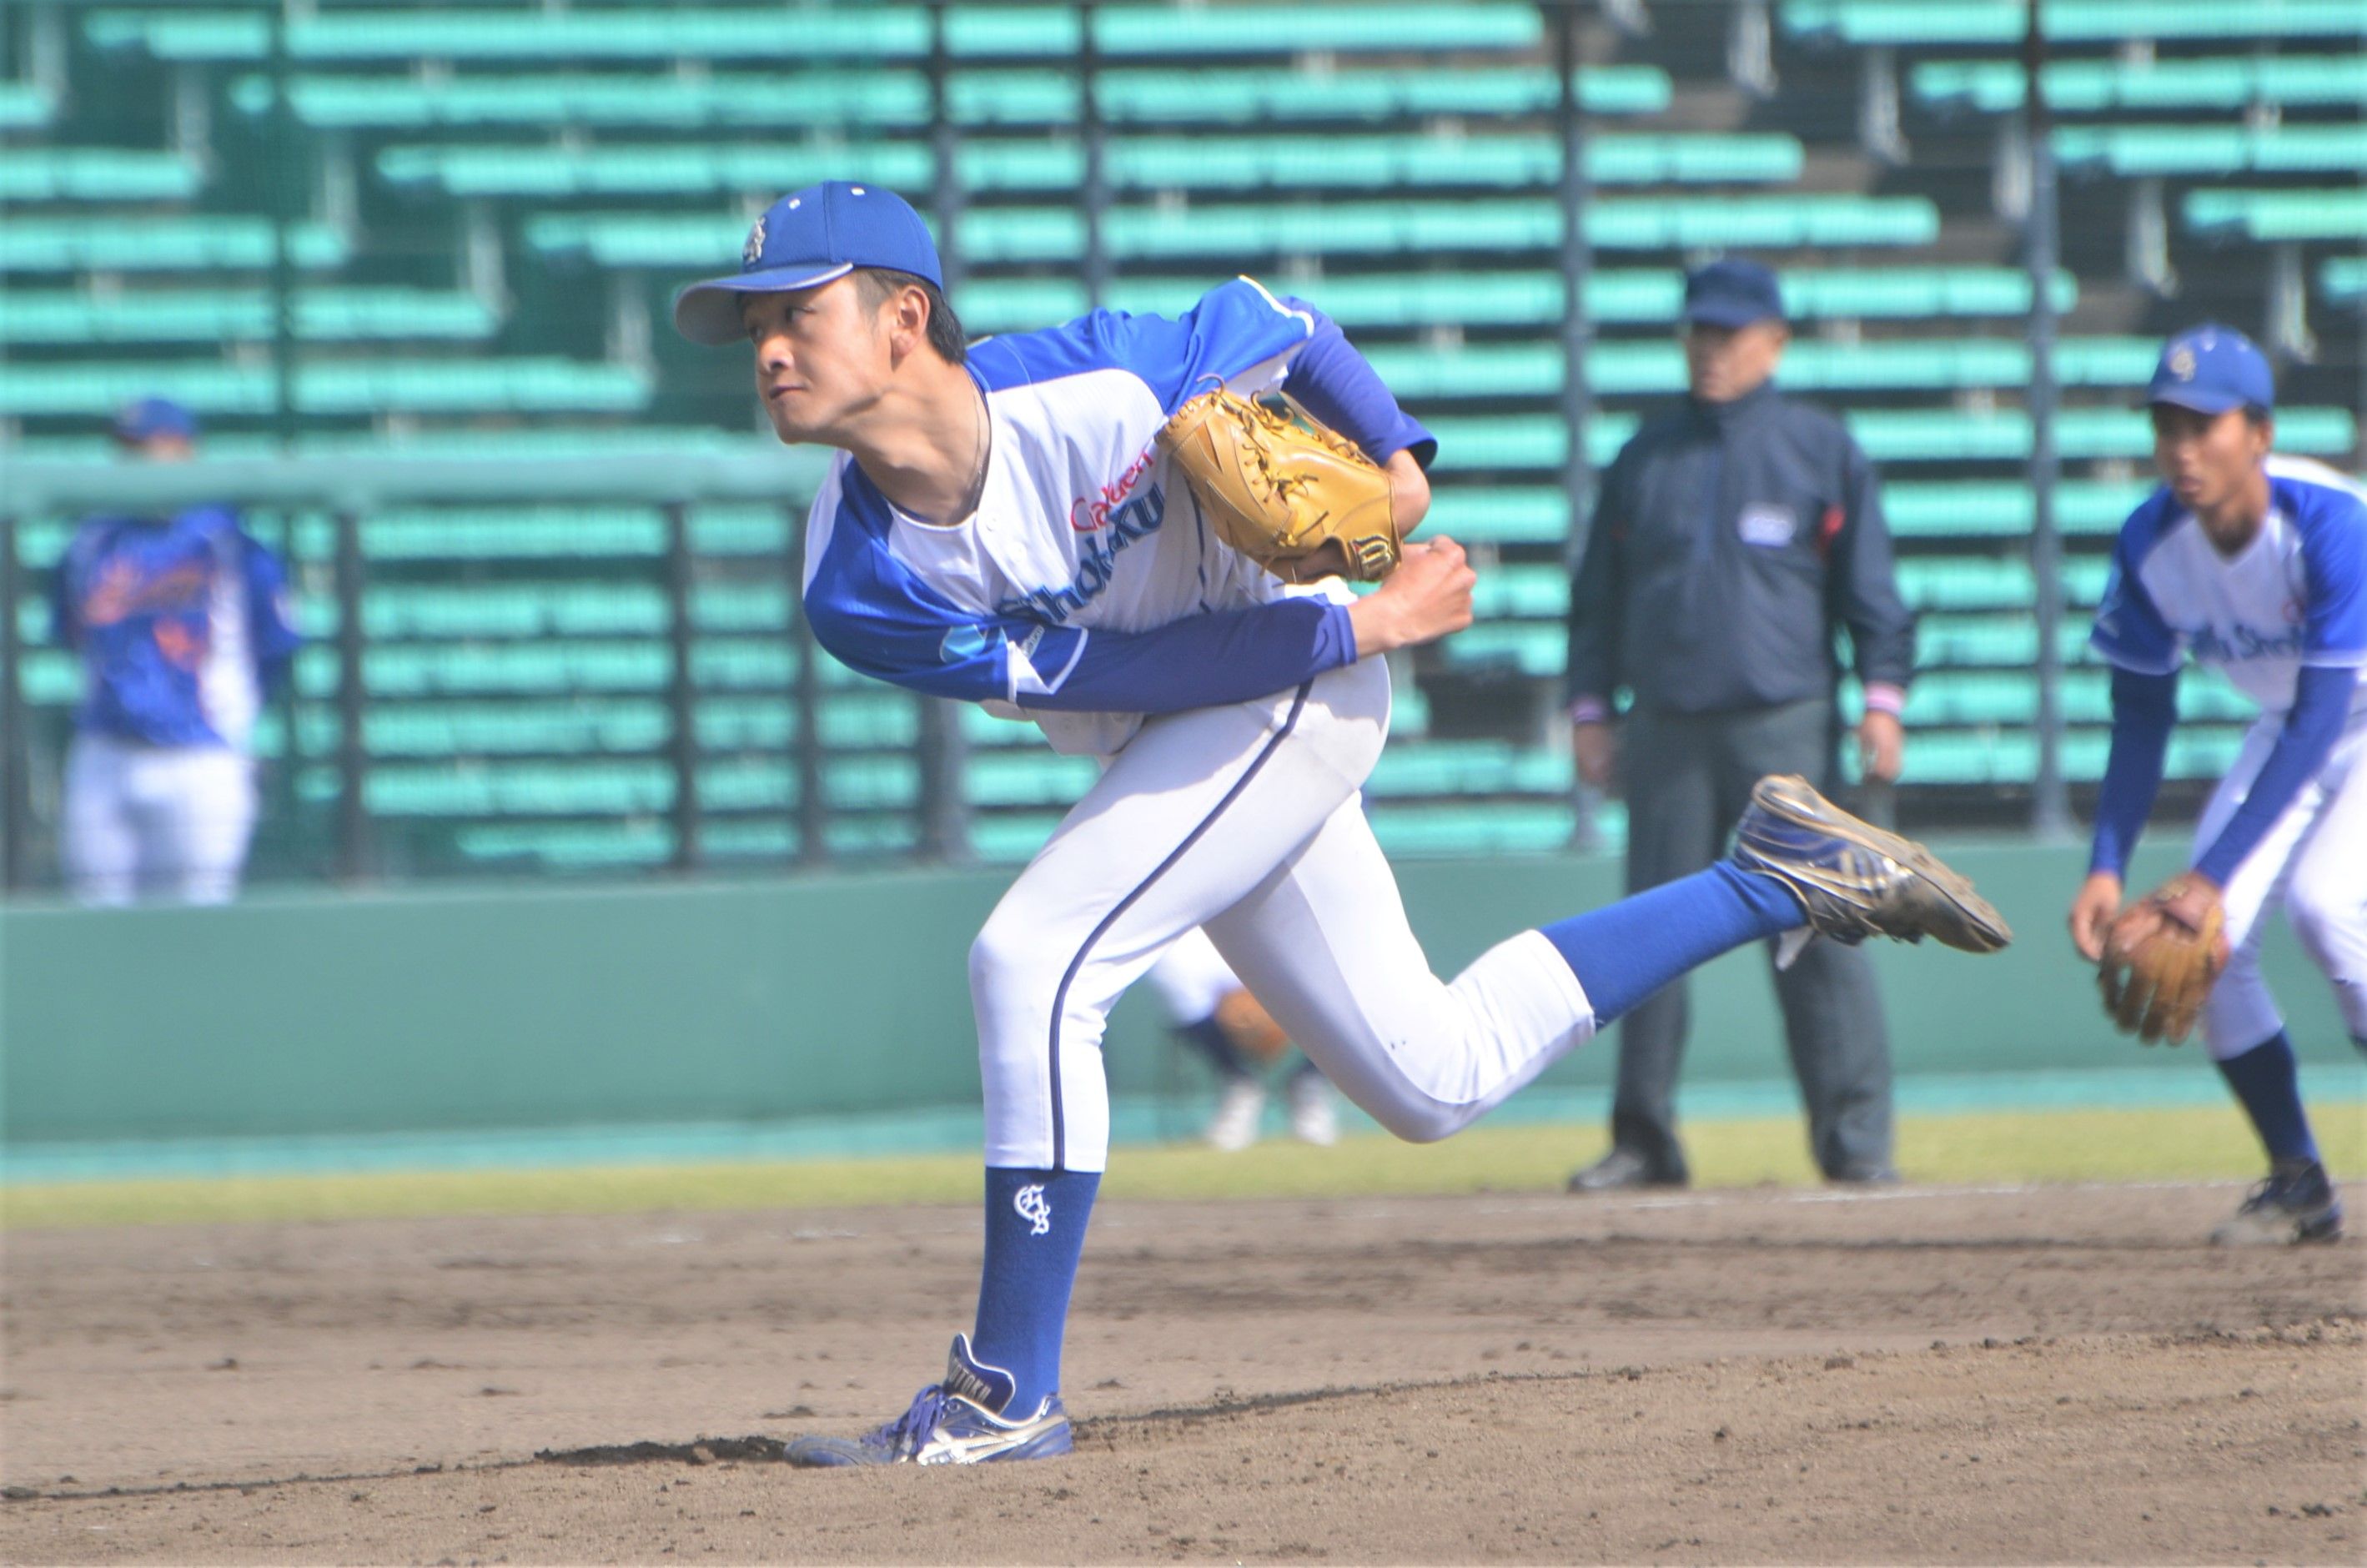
[(2296, 595), (1081, 528), (1087, 594)]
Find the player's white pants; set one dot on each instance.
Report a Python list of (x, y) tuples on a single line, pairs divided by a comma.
[(2314, 861), (1247, 820), (167, 822), (1192, 979)]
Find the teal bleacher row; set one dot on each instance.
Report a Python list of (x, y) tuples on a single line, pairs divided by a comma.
[(324, 314), (530, 612), (27, 106), (849, 34), (853, 102), (1340, 163), (1508, 442), (994, 168), (1233, 233), (2343, 279), (1942, 22), (2271, 216), (338, 313), (2102, 86), (1532, 297), (547, 384)]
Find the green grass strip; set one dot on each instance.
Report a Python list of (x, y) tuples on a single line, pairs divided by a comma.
[(2154, 1144)]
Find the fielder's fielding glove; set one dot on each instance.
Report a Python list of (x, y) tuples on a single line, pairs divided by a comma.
[(1297, 499), (2158, 968)]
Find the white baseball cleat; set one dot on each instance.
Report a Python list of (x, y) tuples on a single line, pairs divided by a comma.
[(1240, 1109)]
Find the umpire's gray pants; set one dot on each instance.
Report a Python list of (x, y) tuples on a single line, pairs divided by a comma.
[(1688, 776)]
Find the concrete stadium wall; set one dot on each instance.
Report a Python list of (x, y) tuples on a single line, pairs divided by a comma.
[(421, 1011)]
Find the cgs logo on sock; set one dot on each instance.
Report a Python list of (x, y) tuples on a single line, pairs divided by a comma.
[(1034, 1208)]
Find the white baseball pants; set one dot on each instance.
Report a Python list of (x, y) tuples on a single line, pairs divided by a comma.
[(169, 822), (1248, 820), (2313, 861)]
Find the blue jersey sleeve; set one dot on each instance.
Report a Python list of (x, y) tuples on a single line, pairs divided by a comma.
[(270, 621), (877, 616), (2334, 562), (1234, 329), (1341, 391), (2130, 631)]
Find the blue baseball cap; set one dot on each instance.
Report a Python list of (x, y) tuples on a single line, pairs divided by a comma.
[(2212, 369), (1732, 293), (806, 238), (146, 418)]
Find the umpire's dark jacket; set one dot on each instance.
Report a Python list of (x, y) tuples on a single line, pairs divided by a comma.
[(1729, 541)]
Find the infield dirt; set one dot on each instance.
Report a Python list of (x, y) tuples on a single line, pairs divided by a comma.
[(2045, 1375)]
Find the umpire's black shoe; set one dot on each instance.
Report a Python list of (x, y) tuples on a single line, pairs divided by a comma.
[(1623, 1170), (1856, 879)]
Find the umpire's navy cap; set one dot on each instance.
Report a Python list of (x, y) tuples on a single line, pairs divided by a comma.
[(808, 237), (2212, 369), (1732, 293), (145, 419)]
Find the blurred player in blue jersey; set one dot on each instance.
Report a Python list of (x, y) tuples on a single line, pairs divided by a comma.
[(998, 526), (2255, 564), (183, 628)]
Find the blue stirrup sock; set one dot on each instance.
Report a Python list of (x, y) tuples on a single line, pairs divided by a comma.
[(1035, 1233), (2267, 1081), (1625, 951)]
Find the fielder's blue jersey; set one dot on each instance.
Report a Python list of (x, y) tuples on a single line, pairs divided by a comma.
[(181, 625), (1082, 536), (2295, 595)]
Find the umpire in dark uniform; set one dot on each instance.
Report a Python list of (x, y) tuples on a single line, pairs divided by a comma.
[(1735, 534)]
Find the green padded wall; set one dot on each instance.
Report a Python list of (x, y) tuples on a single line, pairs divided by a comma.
[(328, 1014)]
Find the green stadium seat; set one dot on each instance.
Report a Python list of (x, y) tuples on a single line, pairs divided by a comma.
[(1452, 829), (2271, 215), (1968, 507), (1937, 22), (879, 100), (332, 313), (162, 243), (355, 387), (35, 175), (900, 32), (1347, 163), (2343, 279), (1468, 768), (26, 106), (2097, 86), (2134, 151), (1421, 299), (1018, 235), (1628, 369)]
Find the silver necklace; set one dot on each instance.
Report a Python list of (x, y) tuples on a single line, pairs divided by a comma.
[(976, 493)]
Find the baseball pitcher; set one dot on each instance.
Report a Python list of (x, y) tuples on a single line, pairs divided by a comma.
[(1093, 528)]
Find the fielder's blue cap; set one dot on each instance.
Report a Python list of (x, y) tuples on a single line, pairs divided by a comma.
[(149, 418), (806, 238), (1732, 293), (2212, 369)]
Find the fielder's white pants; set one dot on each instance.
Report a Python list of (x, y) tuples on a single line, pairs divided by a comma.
[(1248, 820), (168, 821), (2313, 861)]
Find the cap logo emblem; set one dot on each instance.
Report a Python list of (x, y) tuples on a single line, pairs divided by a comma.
[(754, 250), (2181, 363)]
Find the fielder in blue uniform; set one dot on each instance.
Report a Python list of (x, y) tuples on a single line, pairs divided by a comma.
[(2255, 564), (183, 627), (999, 527)]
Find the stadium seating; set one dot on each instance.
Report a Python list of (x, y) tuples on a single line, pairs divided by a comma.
[(2098, 87), (499, 197)]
